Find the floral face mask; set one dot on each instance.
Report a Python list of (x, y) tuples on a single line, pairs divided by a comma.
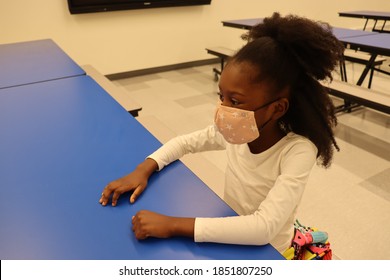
[(237, 126)]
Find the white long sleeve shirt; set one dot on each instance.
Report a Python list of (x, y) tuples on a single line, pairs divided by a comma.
[(264, 189)]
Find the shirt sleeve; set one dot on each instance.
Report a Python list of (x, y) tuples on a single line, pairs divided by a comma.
[(199, 141), (272, 214)]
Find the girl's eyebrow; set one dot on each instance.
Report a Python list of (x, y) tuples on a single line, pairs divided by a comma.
[(237, 93), (233, 93)]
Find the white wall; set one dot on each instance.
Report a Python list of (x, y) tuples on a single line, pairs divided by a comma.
[(123, 41)]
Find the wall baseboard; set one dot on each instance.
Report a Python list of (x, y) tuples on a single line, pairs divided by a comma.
[(148, 71)]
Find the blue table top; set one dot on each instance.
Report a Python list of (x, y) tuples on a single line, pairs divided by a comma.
[(34, 61), (338, 31), (377, 43), (341, 32), (382, 15), (242, 23), (61, 142), (250, 22)]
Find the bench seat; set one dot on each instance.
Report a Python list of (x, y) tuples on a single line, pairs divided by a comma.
[(360, 95), (223, 54)]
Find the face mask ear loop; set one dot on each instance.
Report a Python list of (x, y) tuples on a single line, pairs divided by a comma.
[(267, 104), (262, 127)]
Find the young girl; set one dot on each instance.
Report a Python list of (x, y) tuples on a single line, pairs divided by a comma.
[(275, 122)]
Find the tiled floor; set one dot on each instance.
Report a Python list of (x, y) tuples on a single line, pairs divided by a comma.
[(350, 200)]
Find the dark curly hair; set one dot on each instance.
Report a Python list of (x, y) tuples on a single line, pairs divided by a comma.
[(295, 53)]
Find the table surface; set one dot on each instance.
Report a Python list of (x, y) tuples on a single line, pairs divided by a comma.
[(61, 142), (35, 61), (342, 33), (366, 14), (242, 23), (378, 43)]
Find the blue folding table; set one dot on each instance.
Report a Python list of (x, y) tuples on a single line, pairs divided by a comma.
[(373, 43), (370, 15), (242, 23)]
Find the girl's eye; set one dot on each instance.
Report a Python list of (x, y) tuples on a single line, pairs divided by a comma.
[(235, 102)]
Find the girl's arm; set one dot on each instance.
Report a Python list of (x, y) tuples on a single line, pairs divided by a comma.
[(207, 139)]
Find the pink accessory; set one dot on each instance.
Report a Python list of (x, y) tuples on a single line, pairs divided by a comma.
[(236, 125)]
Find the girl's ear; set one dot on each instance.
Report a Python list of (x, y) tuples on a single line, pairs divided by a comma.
[(280, 107)]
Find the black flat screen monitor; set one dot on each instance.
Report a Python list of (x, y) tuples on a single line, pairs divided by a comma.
[(93, 6)]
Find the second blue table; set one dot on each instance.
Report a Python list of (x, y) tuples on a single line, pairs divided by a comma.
[(33, 62)]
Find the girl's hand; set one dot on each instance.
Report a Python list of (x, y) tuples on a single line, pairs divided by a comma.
[(150, 224), (135, 181)]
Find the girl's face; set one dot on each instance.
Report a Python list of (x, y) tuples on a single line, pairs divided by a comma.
[(238, 90)]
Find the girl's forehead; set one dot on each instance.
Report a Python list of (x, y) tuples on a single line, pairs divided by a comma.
[(240, 77), (243, 67), (237, 73)]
